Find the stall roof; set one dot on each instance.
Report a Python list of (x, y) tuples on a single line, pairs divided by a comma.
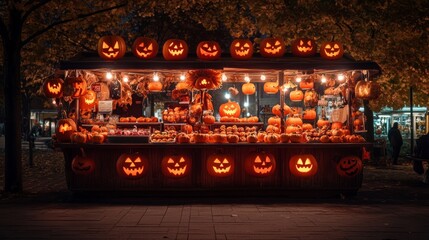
[(90, 60)]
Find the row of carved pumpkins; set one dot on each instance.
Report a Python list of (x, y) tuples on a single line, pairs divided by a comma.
[(258, 164), (113, 47)]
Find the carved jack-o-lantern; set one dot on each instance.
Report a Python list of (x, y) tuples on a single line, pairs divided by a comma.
[(304, 47), (133, 165), (241, 49), (209, 50), (303, 165), (230, 109), (367, 90), (271, 87), (331, 50), (260, 164), (78, 84), (111, 47), (176, 166), (349, 166), (175, 49), (220, 165), (88, 100), (82, 165), (248, 88), (53, 87), (272, 47), (65, 128), (203, 83), (145, 48)]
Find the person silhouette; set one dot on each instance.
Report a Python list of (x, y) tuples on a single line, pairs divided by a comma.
[(396, 142)]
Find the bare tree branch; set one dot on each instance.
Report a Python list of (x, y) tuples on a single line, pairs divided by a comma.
[(33, 8), (81, 16)]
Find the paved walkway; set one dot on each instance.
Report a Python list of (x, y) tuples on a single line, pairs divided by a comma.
[(393, 203)]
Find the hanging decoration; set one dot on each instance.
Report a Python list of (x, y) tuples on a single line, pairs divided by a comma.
[(88, 101), (248, 88), (367, 90), (205, 79), (53, 87)]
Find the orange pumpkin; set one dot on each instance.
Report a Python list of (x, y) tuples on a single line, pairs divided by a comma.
[(311, 98), (241, 49), (306, 84), (271, 87), (349, 166), (322, 122), (276, 121), (248, 88), (272, 47), (309, 114), (77, 84), (145, 48), (331, 50), (176, 165), (286, 110), (304, 47), (175, 49), (294, 120), (65, 128), (337, 125), (155, 86), (220, 165), (111, 47), (303, 165), (82, 165), (53, 87), (296, 95), (208, 50), (260, 164), (182, 86), (230, 109), (132, 165), (88, 100), (208, 119), (307, 126)]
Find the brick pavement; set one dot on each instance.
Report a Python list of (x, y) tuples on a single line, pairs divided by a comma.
[(392, 204)]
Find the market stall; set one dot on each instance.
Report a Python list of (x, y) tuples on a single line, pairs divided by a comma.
[(147, 122)]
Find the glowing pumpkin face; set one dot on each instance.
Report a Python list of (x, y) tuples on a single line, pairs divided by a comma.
[(65, 128), (145, 48), (260, 164), (367, 90), (78, 85), (131, 165), (176, 166), (349, 166), (203, 83), (220, 165), (88, 100), (53, 88), (175, 49), (272, 47), (111, 47), (230, 109), (209, 50), (241, 49), (304, 47), (303, 165), (82, 165), (331, 50)]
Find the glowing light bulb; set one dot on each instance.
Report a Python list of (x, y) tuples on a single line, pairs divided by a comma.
[(263, 77), (323, 79), (109, 75), (247, 78), (340, 77), (125, 79), (54, 102), (246, 104), (298, 79), (182, 77), (227, 95), (224, 77), (155, 77)]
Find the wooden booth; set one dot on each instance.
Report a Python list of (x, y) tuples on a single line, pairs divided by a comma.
[(194, 123)]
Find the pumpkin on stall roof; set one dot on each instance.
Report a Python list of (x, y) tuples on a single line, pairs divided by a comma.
[(209, 50), (331, 50), (175, 49), (111, 47), (304, 47), (241, 49), (145, 48), (272, 47)]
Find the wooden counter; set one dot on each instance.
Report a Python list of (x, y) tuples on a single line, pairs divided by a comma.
[(106, 178)]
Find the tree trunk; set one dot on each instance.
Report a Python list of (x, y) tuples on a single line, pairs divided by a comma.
[(12, 66), (369, 124)]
